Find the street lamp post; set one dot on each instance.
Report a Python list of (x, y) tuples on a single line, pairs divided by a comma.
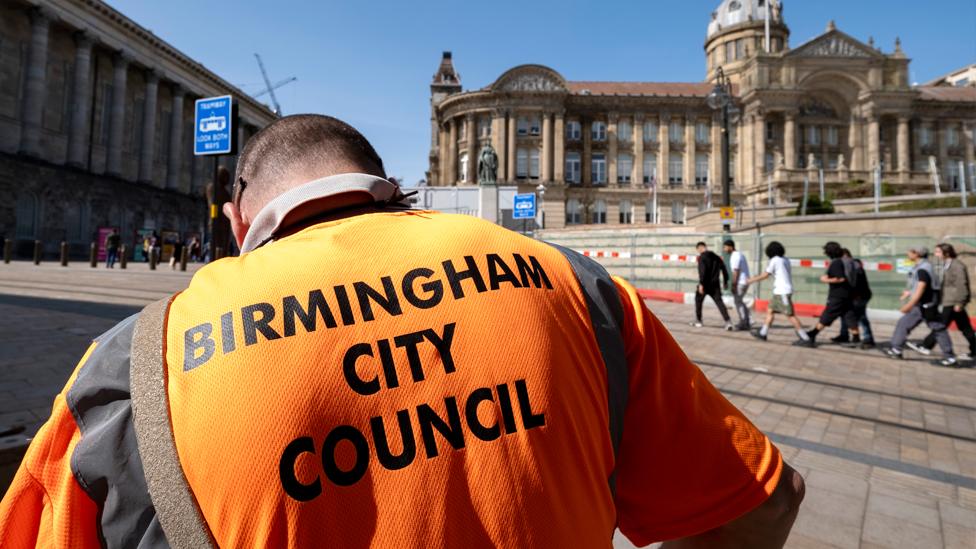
[(720, 99)]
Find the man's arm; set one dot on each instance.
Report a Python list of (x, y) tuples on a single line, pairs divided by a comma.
[(725, 272), (768, 525), (916, 297), (758, 278)]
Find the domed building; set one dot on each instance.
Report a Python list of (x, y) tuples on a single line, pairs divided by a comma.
[(650, 152)]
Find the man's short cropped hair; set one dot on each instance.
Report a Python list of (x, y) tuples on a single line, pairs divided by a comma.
[(730, 243), (700, 244), (308, 146), (833, 250), (775, 249)]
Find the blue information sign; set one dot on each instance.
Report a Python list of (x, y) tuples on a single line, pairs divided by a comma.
[(213, 126), (524, 206)]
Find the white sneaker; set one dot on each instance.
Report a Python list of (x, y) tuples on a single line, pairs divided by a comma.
[(918, 348), (729, 327), (696, 324)]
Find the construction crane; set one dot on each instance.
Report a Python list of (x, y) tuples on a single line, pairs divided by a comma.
[(271, 88)]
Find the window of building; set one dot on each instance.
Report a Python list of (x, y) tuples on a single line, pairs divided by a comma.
[(625, 167), (952, 173), (650, 132), (535, 125), (701, 169), (598, 131), (703, 133), (650, 168), (732, 165), (832, 136), (925, 136), (678, 212), (734, 5), (534, 163), (573, 130), (75, 222), (831, 161), (463, 130), (770, 131), (523, 125), (676, 169), (573, 212), (484, 126), (676, 132), (770, 162), (573, 167), (598, 215), (26, 216), (649, 212), (626, 212), (952, 136), (813, 135), (463, 166), (740, 48), (598, 168), (625, 131), (521, 163), (729, 51)]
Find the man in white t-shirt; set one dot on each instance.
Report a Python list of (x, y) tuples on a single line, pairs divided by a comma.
[(740, 283), (782, 302)]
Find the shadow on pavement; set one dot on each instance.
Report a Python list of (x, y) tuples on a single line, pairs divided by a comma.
[(108, 311)]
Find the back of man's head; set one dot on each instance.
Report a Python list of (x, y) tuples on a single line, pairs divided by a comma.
[(297, 149)]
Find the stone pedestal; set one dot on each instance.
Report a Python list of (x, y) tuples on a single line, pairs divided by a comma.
[(488, 203)]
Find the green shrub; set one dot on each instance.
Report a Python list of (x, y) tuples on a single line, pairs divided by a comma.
[(814, 206)]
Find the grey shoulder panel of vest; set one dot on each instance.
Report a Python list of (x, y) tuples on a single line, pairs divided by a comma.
[(606, 315), (106, 461)]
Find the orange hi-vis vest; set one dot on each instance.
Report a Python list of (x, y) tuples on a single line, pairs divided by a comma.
[(400, 379)]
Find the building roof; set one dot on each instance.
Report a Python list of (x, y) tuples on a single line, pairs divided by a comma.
[(947, 93), (688, 89), (734, 12)]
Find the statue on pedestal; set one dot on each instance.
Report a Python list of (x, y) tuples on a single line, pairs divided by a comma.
[(488, 166), (841, 163)]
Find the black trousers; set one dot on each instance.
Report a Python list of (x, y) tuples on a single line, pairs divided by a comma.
[(962, 321), (716, 295)]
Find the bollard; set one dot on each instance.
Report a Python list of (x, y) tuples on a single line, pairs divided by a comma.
[(152, 259), (8, 248), (37, 252), (184, 256), (93, 255), (122, 258), (64, 253)]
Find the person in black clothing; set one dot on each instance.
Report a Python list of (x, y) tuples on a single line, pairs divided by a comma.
[(860, 296), (710, 267), (839, 297)]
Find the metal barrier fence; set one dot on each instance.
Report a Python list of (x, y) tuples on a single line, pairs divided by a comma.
[(668, 261)]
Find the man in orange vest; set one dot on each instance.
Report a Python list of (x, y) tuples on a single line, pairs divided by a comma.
[(365, 374)]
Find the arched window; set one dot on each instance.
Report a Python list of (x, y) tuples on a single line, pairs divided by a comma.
[(625, 131), (463, 167), (573, 210), (26, 216), (76, 222), (598, 215)]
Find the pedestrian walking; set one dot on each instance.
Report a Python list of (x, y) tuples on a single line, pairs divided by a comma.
[(710, 268), (782, 301), (112, 242), (956, 293), (921, 305), (839, 301), (351, 380), (739, 283), (860, 296), (195, 249), (174, 259), (147, 244)]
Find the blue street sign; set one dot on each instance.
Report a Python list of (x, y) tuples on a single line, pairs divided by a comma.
[(213, 126), (524, 206)]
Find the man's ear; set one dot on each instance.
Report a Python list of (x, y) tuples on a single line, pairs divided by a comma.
[(237, 224)]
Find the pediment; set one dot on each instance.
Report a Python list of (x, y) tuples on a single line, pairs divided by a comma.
[(531, 79), (835, 44)]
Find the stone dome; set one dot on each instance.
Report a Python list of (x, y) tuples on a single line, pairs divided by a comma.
[(734, 12)]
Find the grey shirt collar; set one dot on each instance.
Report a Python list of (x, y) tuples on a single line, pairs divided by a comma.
[(269, 220)]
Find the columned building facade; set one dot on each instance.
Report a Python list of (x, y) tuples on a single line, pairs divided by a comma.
[(644, 152), (96, 126)]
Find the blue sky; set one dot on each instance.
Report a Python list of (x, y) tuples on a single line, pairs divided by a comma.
[(370, 62)]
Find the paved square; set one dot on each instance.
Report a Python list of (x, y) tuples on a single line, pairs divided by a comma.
[(888, 448)]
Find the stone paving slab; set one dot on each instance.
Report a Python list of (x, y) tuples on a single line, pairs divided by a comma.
[(888, 448)]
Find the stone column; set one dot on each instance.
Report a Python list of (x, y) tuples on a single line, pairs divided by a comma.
[(789, 140), (664, 149), (559, 146), (120, 66), (471, 136), (874, 142), (498, 141), (452, 164), (689, 175), (546, 171), (81, 102), (638, 151), (148, 145), (857, 148), (904, 152), (512, 144), (612, 149), (35, 83), (585, 160), (441, 173), (175, 156), (759, 153)]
